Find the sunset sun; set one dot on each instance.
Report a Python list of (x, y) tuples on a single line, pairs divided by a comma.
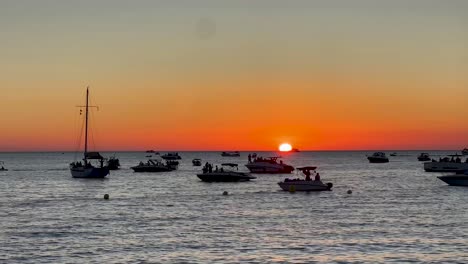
[(285, 147)]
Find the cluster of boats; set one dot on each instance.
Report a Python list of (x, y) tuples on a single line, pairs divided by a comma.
[(449, 164)]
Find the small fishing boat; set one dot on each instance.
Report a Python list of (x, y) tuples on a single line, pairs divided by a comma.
[(230, 154), (87, 169), (225, 174), (2, 168), (459, 179), (424, 157), (153, 165), (306, 185), (378, 157), (171, 156), (113, 163), (197, 162)]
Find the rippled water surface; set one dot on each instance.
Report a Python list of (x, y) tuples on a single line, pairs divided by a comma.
[(396, 213)]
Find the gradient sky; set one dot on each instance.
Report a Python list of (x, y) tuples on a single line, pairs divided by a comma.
[(240, 75)]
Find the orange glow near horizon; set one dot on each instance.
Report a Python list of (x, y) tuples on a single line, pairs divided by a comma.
[(369, 80)]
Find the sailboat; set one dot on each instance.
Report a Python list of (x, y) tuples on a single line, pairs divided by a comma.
[(86, 169)]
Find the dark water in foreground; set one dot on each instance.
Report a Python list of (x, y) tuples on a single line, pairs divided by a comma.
[(397, 213)]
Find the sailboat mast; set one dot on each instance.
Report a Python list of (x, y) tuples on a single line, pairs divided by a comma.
[(86, 126)]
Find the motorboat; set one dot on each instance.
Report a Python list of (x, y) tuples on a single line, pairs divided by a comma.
[(465, 151), (268, 165), (424, 157), (378, 157), (152, 151), (394, 154), (295, 150), (87, 169), (224, 174), (113, 163), (452, 163), (2, 168), (459, 179), (171, 156), (154, 165), (230, 154), (197, 162), (308, 184)]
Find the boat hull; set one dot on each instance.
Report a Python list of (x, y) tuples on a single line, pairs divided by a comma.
[(445, 167), (269, 168), (455, 180), (225, 177), (377, 160), (151, 169), (305, 186), (91, 173), (424, 159)]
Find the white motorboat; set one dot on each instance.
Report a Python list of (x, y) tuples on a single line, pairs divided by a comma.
[(230, 154), (452, 163), (306, 185), (459, 179), (268, 165), (86, 169), (171, 156), (224, 174), (378, 157)]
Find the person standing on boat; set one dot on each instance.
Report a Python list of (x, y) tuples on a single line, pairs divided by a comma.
[(250, 158), (317, 177), (307, 174)]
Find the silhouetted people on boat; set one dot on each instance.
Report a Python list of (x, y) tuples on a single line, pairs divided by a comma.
[(307, 174), (317, 177), (250, 158), (216, 170), (221, 170), (458, 160)]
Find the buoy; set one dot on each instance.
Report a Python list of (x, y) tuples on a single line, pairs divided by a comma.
[(350, 192), (225, 193), (292, 188), (106, 196)]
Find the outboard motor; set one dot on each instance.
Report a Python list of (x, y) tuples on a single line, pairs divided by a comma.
[(329, 185)]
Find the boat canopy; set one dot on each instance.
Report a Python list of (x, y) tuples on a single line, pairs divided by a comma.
[(230, 164), (307, 168), (93, 155)]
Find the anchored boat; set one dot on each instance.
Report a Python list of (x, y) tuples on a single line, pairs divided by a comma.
[(308, 184), (87, 169), (224, 174)]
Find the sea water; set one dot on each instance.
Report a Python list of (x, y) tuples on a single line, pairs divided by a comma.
[(396, 213)]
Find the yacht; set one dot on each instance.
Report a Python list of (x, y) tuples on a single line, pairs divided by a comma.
[(224, 174), (459, 179), (424, 157), (197, 162), (171, 156), (113, 163), (230, 154), (87, 169), (268, 165), (452, 163), (2, 168), (153, 165), (465, 151), (378, 157), (306, 185)]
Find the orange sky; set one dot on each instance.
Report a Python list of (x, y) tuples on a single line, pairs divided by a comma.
[(222, 78)]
